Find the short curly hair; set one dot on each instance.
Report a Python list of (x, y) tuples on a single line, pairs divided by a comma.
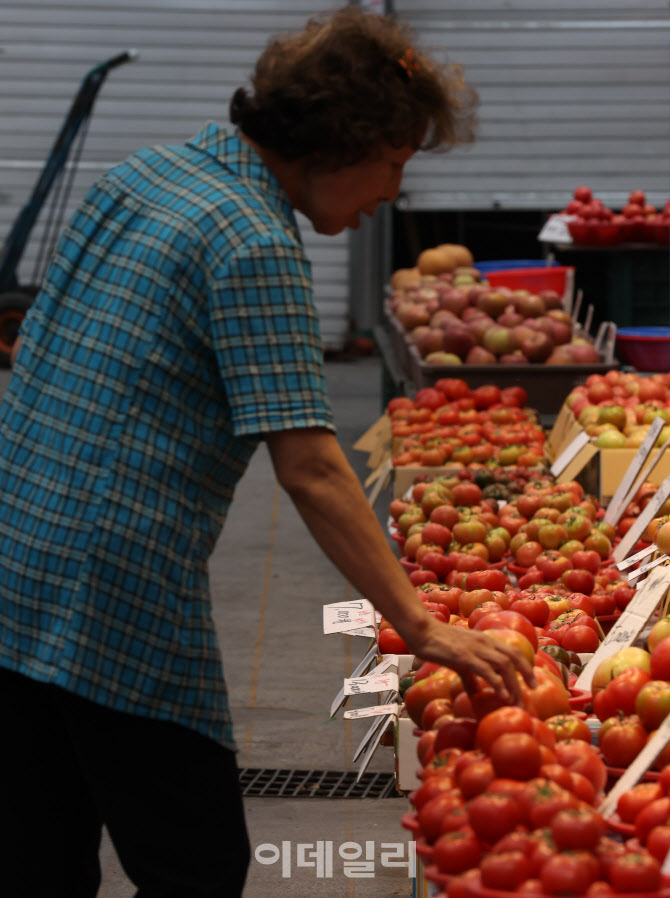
[(347, 85)]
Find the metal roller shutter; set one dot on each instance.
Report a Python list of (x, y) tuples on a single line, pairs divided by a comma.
[(571, 92), (192, 56)]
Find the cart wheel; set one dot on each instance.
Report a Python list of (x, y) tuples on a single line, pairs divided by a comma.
[(13, 307)]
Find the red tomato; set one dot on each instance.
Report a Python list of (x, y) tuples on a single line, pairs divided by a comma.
[(392, 643), (459, 732), (536, 610), (558, 774), (579, 757), (435, 708), (658, 842), (544, 799), (582, 787), (457, 851), (424, 747), (516, 756), (652, 704), (436, 785), (660, 660), (508, 719), (510, 620), (569, 873), (549, 697), (621, 739), (656, 813), (492, 816), (621, 692), (432, 812), (635, 799), (580, 639), (505, 870), (436, 685), (476, 777), (567, 726), (491, 579), (575, 828), (635, 872)]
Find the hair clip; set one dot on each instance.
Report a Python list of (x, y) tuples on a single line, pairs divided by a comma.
[(408, 64)]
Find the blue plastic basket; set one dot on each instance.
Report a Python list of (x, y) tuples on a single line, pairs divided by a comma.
[(505, 264)]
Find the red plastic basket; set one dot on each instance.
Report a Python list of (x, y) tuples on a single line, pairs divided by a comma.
[(552, 277)]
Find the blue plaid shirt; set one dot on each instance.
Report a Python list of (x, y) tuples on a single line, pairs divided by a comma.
[(175, 327)]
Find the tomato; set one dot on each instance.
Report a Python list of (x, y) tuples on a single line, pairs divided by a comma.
[(652, 704), (635, 799), (457, 851), (517, 840), (558, 774), (491, 579), (516, 756), (508, 719), (658, 842), (436, 685), (441, 763), (569, 873), (492, 816), (536, 610), (567, 726), (621, 739), (425, 746), (580, 639), (505, 870), (391, 642), (664, 778), (582, 787), (509, 620), (476, 777), (459, 732), (480, 611), (656, 813), (431, 814), (579, 757), (550, 697), (621, 693), (660, 660), (635, 872), (575, 828)]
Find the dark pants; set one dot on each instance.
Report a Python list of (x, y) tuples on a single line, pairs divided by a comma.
[(168, 796)]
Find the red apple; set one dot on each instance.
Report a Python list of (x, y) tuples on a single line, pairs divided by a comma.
[(537, 348), (480, 356), (458, 339)]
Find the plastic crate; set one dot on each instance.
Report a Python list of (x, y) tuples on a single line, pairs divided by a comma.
[(549, 277)]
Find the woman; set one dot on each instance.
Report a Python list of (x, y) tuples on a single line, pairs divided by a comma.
[(175, 330)]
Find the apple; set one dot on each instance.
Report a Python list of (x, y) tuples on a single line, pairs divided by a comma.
[(442, 358), (453, 299), (612, 414), (552, 299), (492, 302), (538, 347), (513, 358), (510, 317), (479, 326), (499, 340), (430, 340), (480, 356), (458, 339), (610, 439), (530, 306), (560, 355), (444, 318), (582, 352), (412, 314), (470, 313)]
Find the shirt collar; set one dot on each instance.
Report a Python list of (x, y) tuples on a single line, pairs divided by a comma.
[(239, 158)]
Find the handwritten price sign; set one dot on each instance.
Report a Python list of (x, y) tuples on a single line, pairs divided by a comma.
[(343, 616)]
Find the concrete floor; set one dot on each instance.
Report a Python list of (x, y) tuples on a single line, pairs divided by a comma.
[(269, 582)]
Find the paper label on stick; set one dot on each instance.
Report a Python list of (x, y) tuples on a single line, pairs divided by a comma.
[(637, 769), (647, 514), (631, 623), (641, 571), (555, 229), (373, 711), (616, 505), (340, 617), (569, 453), (633, 559), (371, 683)]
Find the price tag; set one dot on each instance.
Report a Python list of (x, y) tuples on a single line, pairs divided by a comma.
[(616, 506), (647, 514), (637, 769), (641, 571), (633, 559), (569, 453), (360, 668), (631, 623), (373, 711), (555, 229), (341, 617), (643, 475), (379, 725), (371, 683)]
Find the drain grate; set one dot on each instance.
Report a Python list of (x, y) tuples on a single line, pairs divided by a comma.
[(270, 783)]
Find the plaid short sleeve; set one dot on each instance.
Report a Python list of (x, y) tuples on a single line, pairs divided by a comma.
[(267, 339)]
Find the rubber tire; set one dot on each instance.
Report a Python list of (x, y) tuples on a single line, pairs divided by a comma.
[(13, 307)]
